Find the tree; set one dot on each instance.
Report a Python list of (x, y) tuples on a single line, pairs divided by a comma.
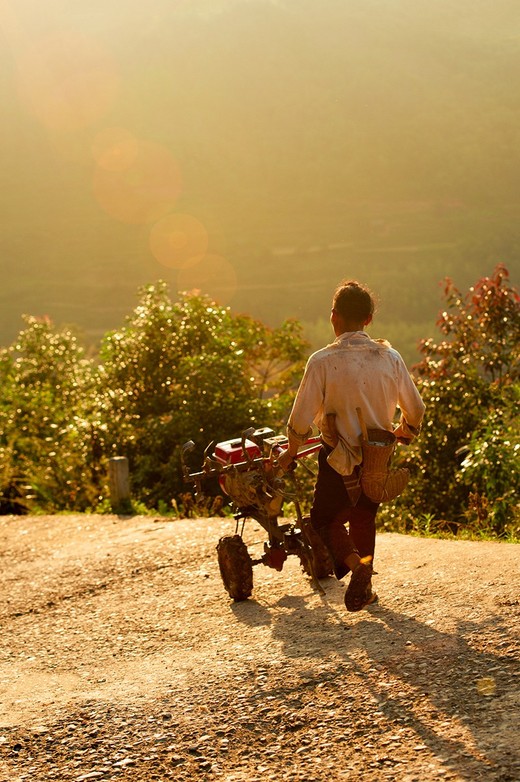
[(190, 370), (51, 440), (174, 372), (465, 462)]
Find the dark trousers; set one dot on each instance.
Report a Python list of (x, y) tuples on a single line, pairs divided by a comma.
[(332, 510)]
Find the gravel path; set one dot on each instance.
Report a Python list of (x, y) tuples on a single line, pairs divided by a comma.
[(122, 658)]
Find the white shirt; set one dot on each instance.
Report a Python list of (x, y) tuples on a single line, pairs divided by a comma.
[(354, 371)]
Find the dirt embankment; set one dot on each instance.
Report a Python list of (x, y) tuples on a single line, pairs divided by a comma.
[(122, 658)]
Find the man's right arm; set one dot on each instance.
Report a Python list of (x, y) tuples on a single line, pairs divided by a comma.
[(309, 399)]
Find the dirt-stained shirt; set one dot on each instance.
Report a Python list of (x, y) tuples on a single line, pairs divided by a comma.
[(355, 371)]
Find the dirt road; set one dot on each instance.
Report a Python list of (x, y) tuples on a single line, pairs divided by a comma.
[(122, 658)]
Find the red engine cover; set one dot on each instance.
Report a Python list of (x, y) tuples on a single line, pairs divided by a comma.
[(230, 451)]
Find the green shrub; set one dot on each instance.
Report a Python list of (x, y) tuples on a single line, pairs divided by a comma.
[(490, 470), (174, 372), (190, 370), (52, 439), (465, 456)]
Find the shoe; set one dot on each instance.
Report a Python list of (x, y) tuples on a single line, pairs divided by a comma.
[(359, 591)]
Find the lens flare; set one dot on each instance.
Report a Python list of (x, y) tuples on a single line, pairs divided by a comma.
[(213, 276), (142, 192), (179, 241), (487, 686), (115, 149), (67, 81)]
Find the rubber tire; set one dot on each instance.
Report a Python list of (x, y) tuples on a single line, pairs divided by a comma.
[(236, 567), (322, 566), (322, 561)]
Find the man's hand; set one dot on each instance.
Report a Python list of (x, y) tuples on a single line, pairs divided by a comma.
[(286, 462), (405, 432), (404, 436)]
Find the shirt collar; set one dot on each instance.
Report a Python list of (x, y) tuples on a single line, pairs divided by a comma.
[(352, 335)]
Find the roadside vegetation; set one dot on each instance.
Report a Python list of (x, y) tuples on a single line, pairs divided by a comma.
[(465, 465), (191, 369)]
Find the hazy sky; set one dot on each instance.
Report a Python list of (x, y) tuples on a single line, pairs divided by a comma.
[(94, 14), (234, 144)]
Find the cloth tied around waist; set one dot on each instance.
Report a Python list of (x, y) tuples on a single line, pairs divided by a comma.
[(375, 477)]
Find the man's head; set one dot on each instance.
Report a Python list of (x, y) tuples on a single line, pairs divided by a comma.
[(352, 307)]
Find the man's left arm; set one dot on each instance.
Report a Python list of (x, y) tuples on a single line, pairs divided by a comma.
[(412, 408)]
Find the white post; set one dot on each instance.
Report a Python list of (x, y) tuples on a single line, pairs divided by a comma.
[(119, 483)]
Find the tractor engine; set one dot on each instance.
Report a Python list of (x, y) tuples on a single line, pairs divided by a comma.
[(254, 484)]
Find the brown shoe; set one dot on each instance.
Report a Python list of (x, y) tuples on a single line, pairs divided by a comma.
[(359, 588)]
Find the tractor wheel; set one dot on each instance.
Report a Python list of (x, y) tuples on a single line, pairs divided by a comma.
[(236, 567), (321, 559)]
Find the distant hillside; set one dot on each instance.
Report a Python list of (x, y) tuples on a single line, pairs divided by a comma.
[(377, 139)]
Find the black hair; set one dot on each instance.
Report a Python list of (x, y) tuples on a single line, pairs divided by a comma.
[(353, 301)]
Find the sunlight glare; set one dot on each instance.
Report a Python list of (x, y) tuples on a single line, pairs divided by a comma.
[(142, 192), (115, 149), (487, 686), (178, 241)]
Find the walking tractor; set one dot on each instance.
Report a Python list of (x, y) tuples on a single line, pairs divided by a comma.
[(248, 472)]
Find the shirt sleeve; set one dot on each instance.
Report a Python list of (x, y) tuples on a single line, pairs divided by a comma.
[(308, 402)]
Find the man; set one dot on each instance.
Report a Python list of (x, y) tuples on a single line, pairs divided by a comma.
[(354, 372)]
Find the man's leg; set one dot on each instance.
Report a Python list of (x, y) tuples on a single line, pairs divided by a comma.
[(362, 526), (329, 513), (352, 550)]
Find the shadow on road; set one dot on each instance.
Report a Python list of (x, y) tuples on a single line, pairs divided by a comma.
[(457, 691)]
